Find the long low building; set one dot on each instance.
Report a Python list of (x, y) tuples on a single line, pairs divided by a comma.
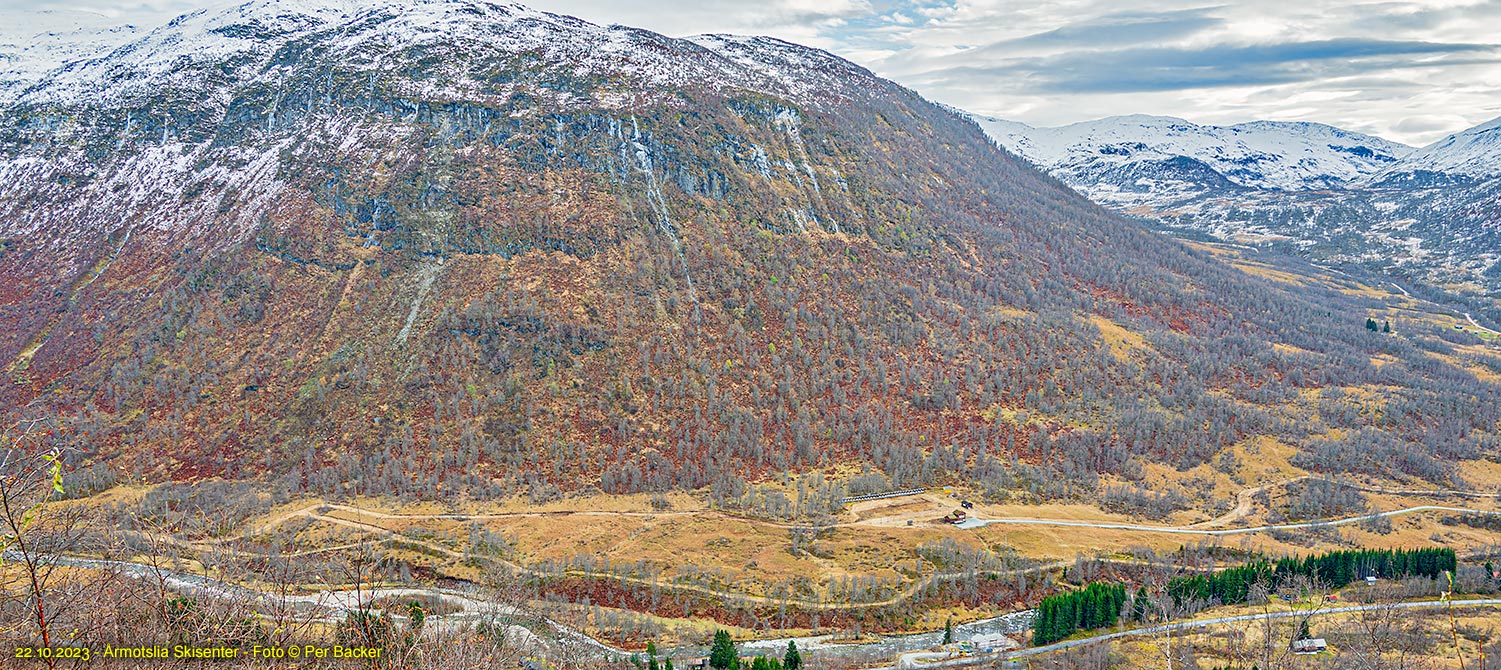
[(990, 642)]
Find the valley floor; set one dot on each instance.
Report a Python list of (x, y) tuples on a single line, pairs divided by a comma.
[(620, 570)]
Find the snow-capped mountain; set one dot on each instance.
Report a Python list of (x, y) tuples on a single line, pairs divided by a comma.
[(1466, 157), (1312, 189), (257, 229), (243, 75), (1261, 155), (267, 38)]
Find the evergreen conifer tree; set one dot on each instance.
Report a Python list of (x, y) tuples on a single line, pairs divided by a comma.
[(722, 655)]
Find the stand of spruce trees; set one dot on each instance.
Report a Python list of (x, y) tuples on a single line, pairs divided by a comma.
[(1332, 570), (1098, 604), (1094, 606)]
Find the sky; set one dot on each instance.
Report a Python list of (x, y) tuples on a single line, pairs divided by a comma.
[(1410, 71)]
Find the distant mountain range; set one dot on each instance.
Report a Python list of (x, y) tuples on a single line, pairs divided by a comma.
[(1260, 155), (1330, 194)]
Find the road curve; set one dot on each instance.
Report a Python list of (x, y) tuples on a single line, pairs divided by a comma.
[(1472, 321)]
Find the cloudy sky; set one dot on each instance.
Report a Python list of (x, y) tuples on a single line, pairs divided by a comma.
[(1411, 71)]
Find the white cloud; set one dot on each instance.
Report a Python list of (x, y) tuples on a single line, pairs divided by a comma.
[(1049, 64)]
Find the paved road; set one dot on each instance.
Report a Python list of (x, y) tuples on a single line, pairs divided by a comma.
[(1186, 530), (1471, 319), (979, 659), (469, 607)]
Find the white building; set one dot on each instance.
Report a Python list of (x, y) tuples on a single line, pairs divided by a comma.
[(988, 642), (1310, 646)]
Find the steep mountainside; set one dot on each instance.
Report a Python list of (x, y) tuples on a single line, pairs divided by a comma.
[(1331, 195), (457, 246)]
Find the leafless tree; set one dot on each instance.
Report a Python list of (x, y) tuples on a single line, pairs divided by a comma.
[(30, 478), (1087, 657), (1161, 610), (1387, 638)]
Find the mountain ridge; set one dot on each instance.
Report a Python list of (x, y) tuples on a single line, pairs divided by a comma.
[(1467, 157), (243, 35), (1425, 213), (1264, 154)]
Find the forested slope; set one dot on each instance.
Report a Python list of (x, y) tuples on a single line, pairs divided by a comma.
[(463, 248)]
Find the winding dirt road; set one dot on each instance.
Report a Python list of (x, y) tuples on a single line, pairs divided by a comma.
[(1244, 501)]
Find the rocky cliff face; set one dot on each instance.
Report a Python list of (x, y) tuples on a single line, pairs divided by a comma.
[(458, 246)]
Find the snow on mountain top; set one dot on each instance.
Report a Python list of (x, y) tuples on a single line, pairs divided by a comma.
[(33, 43), (797, 67), (1261, 154), (1468, 155), (1306, 128), (1488, 125), (247, 34), (1155, 120), (241, 40)]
